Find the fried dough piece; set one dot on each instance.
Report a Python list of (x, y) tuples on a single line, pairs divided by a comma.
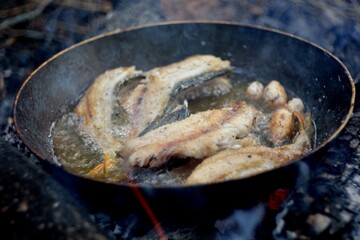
[(255, 90), (248, 161), (164, 83), (274, 94), (296, 105), (200, 135)]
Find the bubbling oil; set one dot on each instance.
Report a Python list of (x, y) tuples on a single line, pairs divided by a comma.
[(79, 152)]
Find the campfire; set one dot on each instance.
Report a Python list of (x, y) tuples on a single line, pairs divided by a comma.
[(323, 203)]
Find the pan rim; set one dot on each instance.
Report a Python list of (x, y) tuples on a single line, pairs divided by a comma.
[(21, 133)]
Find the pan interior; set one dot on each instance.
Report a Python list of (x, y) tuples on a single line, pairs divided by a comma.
[(304, 69)]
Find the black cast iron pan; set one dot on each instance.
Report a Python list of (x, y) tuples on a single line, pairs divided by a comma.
[(314, 74)]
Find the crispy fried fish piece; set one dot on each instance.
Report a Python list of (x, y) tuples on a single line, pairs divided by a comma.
[(248, 161), (164, 83), (200, 135), (113, 111), (98, 109), (281, 126)]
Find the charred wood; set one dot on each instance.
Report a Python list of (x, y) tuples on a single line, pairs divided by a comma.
[(328, 205)]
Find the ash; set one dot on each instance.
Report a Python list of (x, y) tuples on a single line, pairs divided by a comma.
[(326, 203)]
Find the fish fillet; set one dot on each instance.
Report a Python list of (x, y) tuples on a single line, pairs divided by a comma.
[(248, 161), (164, 83), (200, 135), (97, 108)]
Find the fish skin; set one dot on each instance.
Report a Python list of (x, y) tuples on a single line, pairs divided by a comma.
[(171, 114)]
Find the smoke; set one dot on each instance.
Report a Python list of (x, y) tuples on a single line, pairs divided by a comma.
[(241, 224)]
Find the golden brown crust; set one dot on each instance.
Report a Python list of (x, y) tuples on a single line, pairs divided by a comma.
[(96, 107), (197, 136), (162, 81), (248, 161), (281, 126)]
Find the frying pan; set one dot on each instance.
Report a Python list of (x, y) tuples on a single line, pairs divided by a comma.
[(312, 73)]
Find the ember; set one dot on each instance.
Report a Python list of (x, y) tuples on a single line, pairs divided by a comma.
[(326, 202)]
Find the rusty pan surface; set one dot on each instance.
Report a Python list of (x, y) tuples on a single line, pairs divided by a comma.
[(312, 73)]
